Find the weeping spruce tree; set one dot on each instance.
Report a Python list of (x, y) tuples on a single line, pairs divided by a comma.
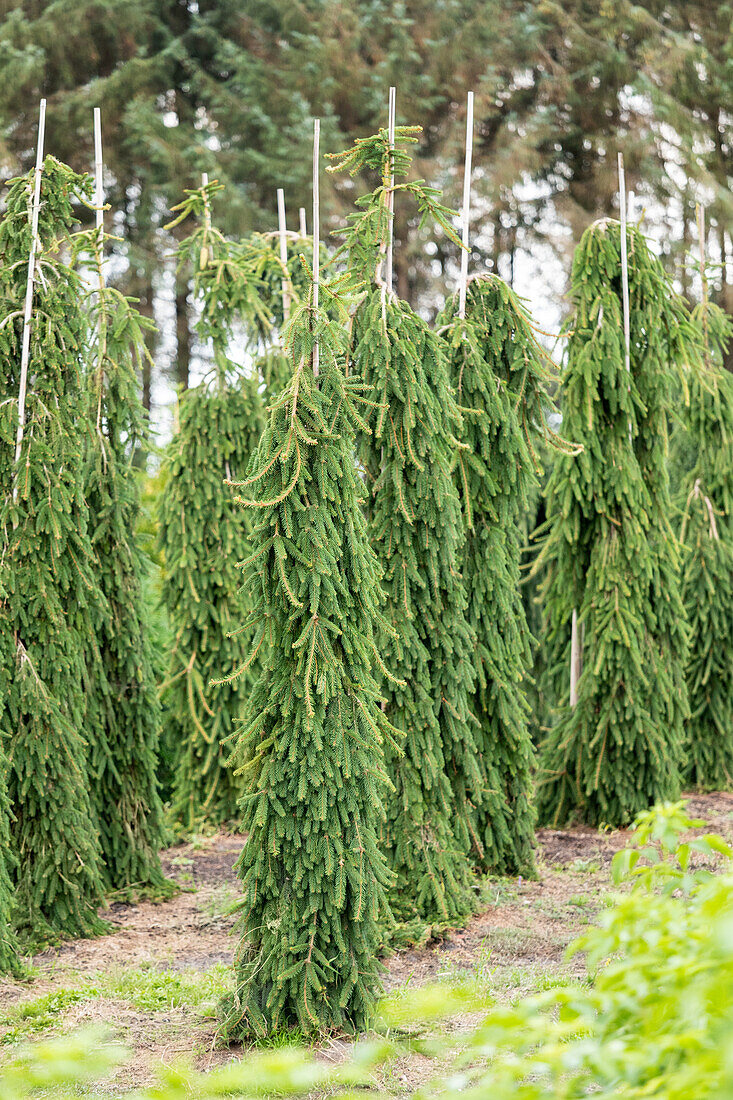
[(50, 597), (310, 748), (9, 961), (707, 535), (500, 378), (203, 538), (415, 527), (609, 548), (123, 708)]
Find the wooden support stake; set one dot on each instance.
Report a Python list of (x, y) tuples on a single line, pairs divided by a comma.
[(316, 226), (98, 183), (390, 202), (207, 208), (576, 660), (624, 260), (303, 228), (28, 309), (466, 208), (282, 234)]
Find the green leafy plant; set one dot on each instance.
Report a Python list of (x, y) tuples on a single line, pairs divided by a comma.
[(609, 549), (51, 601)]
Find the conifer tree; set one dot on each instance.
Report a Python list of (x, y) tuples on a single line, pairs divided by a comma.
[(123, 707), (610, 550), (310, 748), (51, 602), (203, 537), (500, 380), (707, 535), (415, 527), (9, 961)]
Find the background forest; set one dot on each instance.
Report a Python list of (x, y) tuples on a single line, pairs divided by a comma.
[(229, 87)]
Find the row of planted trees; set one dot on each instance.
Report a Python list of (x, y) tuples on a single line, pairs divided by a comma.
[(361, 704)]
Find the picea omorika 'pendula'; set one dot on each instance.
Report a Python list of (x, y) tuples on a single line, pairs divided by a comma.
[(204, 538), (609, 547), (310, 749), (415, 526), (51, 602)]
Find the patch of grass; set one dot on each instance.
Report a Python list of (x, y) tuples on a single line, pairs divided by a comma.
[(148, 988), (283, 1037), (152, 989), (220, 904), (590, 865), (32, 1017)]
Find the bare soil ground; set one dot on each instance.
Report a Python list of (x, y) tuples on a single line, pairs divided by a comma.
[(154, 981)]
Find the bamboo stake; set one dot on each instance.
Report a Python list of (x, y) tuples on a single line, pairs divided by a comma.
[(99, 255), (390, 201), (28, 309), (316, 227), (303, 228), (624, 261), (466, 208), (576, 660), (282, 234), (98, 183), (207, 208)]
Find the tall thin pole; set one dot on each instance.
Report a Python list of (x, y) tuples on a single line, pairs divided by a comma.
[(207, 208), (303, 228), (624, 260), (316, 226), (98, 182), (466, 208), (282, 234), (390, 200), (28, 309), (576, 660)]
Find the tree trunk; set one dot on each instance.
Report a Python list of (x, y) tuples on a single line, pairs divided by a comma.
[(183, 335)]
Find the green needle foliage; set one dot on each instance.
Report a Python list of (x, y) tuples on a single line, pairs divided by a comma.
[(707, 534), (609, 549), (50, 598), (124, 711), (9, 961), (499, 374), (415, 526), (311, 746), (203, 539)]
